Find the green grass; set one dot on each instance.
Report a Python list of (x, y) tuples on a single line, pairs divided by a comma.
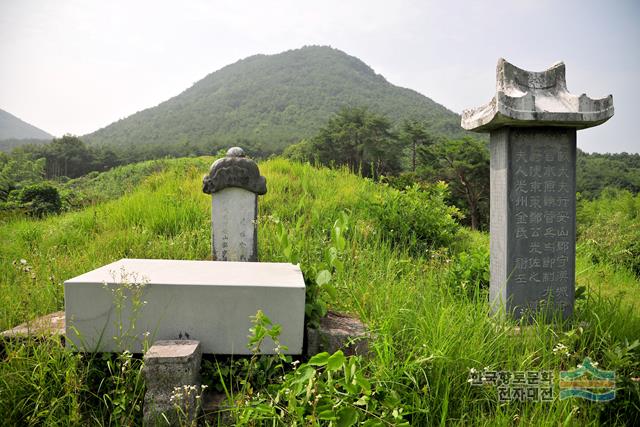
[(429, 331), (608, 281), (97, 187)]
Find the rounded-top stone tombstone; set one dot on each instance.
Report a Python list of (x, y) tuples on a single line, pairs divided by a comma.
[(234, 183), (532, 122)]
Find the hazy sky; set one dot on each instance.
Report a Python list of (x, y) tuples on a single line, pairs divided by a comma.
[(73, 66)]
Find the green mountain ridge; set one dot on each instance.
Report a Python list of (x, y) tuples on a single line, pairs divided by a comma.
[(267, 102), (13, 128)]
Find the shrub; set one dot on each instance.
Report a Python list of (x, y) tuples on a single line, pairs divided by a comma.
[(403, 180), (469, 270), (417, 218), (72, 199), (5, 188), (41, 199), (609, 229), (300, 152)]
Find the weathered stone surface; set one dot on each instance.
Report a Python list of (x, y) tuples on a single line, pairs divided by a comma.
[(50, 325), (208, 301), (338, 332), (527, 98), (532, 121), (234, 170), (234, 232), (532, 220), (234, 183), (172, 376)]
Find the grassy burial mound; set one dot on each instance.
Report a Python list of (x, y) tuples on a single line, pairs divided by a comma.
[(397, 259)]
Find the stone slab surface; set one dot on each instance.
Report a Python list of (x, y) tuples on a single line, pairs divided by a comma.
[(170, 351), (532, 220), (208, 301), (234, 232), (51, 324)]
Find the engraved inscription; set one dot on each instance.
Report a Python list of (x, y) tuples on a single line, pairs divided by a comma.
[(542, 204)]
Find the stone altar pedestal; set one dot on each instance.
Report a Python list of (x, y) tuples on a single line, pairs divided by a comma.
[(234, 183), (532, 122), (172, 376), (123, 304)]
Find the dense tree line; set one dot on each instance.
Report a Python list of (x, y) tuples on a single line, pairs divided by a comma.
[(596, 171), (6, 145), (359, 139), (402, 155), (69, 157), (410, 152), (464, 165)]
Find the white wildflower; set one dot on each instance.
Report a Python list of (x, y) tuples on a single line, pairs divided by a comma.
[(560, 348)]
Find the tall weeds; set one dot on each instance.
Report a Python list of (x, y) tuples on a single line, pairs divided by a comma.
[(426, 304)]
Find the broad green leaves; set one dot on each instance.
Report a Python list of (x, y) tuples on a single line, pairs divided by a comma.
[(331, 388), (336, 361), (323, 278), (319, 359)]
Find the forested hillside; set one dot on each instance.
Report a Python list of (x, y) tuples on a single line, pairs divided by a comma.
[(267, 102), (12, 128), (596, 171), (315, 104)]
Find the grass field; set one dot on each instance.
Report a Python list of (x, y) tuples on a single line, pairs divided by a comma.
[(419, 295)]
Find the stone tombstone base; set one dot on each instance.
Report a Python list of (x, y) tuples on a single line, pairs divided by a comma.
[(234, 232), (338, 332), (172, 376)]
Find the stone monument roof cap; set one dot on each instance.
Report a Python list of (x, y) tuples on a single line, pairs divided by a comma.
[(234, 170), (530, 98), (235, 152)]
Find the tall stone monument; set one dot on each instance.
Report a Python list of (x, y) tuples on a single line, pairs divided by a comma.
[(532, 122), (234, 183)]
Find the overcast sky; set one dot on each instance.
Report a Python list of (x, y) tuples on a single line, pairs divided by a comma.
[(74, 66)]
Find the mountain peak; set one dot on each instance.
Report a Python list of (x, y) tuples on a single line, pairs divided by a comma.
[(11, 127), (267, 102)]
